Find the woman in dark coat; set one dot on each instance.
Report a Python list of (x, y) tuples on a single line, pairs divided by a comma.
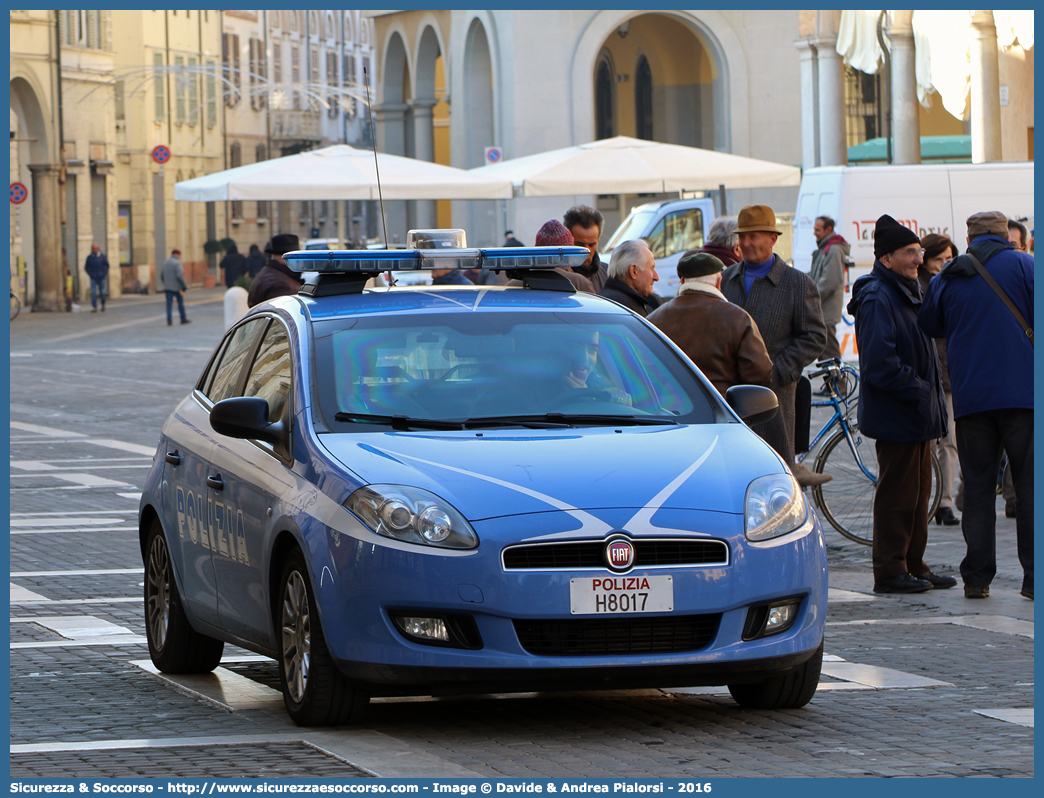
[(255, 261), (234, 264)]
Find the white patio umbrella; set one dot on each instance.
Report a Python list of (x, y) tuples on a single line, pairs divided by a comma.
[(341, 172), (623, 165)]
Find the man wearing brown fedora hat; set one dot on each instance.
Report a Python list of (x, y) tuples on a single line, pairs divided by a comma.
[(784, 303)]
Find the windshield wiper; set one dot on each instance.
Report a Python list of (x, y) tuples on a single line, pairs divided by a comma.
[(398, 422), (593, 418), (530, 422)]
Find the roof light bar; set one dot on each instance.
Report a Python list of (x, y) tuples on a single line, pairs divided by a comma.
[(402, 260)]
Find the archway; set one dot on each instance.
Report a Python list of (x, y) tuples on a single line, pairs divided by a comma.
[(665, 84), (428, 91), (38, 220)]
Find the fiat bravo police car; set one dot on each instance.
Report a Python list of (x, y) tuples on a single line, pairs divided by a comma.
[(424, 490)]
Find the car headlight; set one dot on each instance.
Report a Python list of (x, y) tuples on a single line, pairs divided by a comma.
[(412, 515), (774, 506)]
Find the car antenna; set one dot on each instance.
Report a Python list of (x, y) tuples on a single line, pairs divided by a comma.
[(373, 140)]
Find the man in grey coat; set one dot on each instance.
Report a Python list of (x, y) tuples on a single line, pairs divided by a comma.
[(828, 272), (172, 278), (784, 303)]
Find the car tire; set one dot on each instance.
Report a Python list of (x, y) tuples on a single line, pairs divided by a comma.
[(315, 692), (174, 646), (789, 690)]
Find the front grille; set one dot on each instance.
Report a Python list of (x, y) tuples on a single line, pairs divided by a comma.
[(588, 637), (575, 555)]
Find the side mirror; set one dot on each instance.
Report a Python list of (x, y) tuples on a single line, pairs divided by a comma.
[(246, 417), (753, 403)]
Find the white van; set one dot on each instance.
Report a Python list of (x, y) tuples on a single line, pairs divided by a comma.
[(927, 198), (671, 228)]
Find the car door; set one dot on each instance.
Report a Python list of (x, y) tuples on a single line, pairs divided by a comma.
[(190, 443), (251, 473)]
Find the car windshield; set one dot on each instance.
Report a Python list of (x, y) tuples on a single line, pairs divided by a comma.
[(633, 227), (493, 369)]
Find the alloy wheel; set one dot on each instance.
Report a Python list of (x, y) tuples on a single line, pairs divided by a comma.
[(157, 596), (296, 626)]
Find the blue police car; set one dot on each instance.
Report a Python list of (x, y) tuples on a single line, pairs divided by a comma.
[(427, 489)]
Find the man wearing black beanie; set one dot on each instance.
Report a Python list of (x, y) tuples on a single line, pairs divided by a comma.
[(901, 406)]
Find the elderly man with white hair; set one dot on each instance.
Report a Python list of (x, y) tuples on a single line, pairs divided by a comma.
[(632, 274), (719, 337)]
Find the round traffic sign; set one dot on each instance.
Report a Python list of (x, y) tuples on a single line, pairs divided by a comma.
[(160, 154), (493, 154), (19, 193)]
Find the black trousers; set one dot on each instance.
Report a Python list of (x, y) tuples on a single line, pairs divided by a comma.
[(980, 438), (904, 489)]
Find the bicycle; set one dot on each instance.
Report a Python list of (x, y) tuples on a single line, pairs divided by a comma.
[(847, 501), (16, 306)]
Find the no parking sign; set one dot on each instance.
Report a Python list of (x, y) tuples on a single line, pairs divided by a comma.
[(160, 154), (19, 193), (494, 155)]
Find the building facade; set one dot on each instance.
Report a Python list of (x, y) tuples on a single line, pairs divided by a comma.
[(293, 84), (766, 84), (168, 81)]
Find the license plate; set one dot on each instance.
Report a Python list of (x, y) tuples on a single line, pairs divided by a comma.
[(621, 595)]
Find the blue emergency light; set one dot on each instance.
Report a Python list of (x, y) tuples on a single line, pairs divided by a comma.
[(433, 249)]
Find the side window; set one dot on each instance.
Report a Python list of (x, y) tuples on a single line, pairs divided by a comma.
[(229, 365), (270, 375), (677, 232)]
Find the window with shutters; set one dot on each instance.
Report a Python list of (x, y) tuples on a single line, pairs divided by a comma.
[(277, 62), (118, 98), (258, 87), (193, 91), (180, 85), (348, 80), (313, 79), (211, 89), (262, 206), (159, 93), (295, 74), (331, 80), (231, 71), (235, 158)]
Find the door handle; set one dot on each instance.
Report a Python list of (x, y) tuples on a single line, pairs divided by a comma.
[(216, 482), (173, 458)]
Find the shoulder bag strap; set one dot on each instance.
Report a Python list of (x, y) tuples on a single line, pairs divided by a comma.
[(1003, 296)]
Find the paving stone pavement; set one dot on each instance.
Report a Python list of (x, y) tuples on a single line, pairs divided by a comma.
[(115, 378)]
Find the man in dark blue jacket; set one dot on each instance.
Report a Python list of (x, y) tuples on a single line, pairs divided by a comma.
[(97, 268), (901, 406), (991, 376)]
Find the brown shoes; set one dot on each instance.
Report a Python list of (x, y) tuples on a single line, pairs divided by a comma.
[(807, 478)]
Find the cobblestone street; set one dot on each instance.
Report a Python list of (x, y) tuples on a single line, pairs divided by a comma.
[(930, 685)]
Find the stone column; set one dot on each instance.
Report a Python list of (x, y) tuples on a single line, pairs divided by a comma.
[(833, 143), (906, 125), (985, 90), (47, 237), (424, 214), (809, 103), (391, 138)]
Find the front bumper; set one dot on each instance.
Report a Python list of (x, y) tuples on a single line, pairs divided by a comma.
[(371, 580)]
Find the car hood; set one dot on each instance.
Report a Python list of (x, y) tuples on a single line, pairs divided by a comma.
[(512, 472)]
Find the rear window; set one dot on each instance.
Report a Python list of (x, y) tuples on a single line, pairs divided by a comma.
[(475, 365)]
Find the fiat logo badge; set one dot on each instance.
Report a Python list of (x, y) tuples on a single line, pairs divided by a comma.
[(619, 555)]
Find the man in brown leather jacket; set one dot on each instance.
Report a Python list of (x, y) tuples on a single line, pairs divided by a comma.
[(719, 337), (276, 278)]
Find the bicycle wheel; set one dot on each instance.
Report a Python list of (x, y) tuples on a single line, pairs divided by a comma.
[(847, 501), (16, 306)]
